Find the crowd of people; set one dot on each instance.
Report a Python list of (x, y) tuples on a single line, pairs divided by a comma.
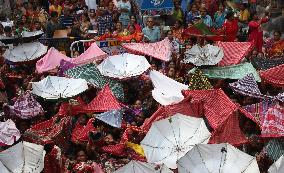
[(84, 144)]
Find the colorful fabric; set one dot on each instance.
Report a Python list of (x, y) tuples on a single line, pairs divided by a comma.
[(274, 76), (83, 167), (272, 123), (265, 63), (104, 101), (277, 49), (234, 52), (137, 148), (90, 73), (231, 72), (199, 82), (247, 86), (64, 66), (81, 132), (8, 133), (275, 148), (201, 30), (160, 50), (113, 118), (26, 107)]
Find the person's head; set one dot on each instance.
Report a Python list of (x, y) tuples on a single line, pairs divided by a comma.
[(54, 16), (177, 24), (24, 18), (66, 11), (81, 156), (255, 16), (150, 22), (193, 8), (101, 11), (131, 29), (25, 5), (254, 53), (203, 12), (137, 104), (133, 19), (92, 13), (260, 55), (82, 119), (170, 35), (230, 15), (76, 23), (8, 31), (171, 73), (118, 26), (277, 35), (110, 6), (37, 25), (176, 5), (153, 66), (172, 65)]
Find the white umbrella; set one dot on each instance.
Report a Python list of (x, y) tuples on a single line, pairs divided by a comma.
[(207, 55), (23, 157), (167, 91), (216, 158), (278, 166), (142, 167), (123, 66), (32, 34), (170, 139), (25, 52), (53, 87)]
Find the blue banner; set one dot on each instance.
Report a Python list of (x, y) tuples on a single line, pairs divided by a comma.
[(156, 4)]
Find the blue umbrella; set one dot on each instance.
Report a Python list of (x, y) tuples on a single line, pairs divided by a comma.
[(112, 118)]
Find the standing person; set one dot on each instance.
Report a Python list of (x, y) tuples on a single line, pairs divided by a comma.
[(178, 13), (124, 7), (275, 46), (207, 20), (66, 18), (113, 11), (53, 25), (55, 7), (193, 13), (255, 31), (244, 14), (151, 33), (104, 20), (92, 16), (231, 27), (133, 22), (219, 17)]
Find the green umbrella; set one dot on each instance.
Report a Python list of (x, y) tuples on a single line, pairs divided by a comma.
[(90, 73), (275, 148)]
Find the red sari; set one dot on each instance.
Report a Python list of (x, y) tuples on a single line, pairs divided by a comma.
[(256, 34), (231, 30)]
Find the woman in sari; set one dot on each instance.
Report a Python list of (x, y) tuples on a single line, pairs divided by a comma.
[(177, 31), (275, 47), (219, 17), (231, 27)]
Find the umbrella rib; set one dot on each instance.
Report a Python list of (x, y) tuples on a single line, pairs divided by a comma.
[(165, 136), (44, 91), (248, 165)]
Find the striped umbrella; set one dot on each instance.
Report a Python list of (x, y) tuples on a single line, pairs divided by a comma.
[(92, 75)]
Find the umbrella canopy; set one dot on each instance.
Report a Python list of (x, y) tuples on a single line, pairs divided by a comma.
[(8, 133), (275, 148), (273, 76), (170, 139), (53, 87), (161, 50), (90, 73), (113, 118), (123, 66), (207, 55), (278, 166), (167, 91), (139, 167), (234, 52), (26, 106), (25, 52), (216, 158), (23, 157)]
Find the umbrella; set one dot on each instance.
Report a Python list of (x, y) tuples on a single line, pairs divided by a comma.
[(25, 52), (167, 91), (142, 167), (123, 66), (26, 37), (170, 139), (8, 133), (113, 118), (53, 87), (207, 55), (278, 166), (90, 73), (23, 157), (216, 158), (275, 148)]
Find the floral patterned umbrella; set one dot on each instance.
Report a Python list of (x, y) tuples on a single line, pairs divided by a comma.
[(92, 75)]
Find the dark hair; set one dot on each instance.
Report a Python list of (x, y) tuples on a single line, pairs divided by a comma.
[(230, 14), (276, 31), (7, 29), (86, 16), (53, 14)]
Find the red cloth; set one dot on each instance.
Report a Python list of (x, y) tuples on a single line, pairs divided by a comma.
[(273, 122), (117, 149), (137, 27), (231, 30), (234, 52), (229, 132), (87, 167), (81, 132), (53, 161), (74, 109), (255, 36), (217, 106), (274, 76), (184, 107), (103, 102)]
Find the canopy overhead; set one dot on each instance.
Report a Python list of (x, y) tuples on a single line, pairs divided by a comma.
[(25, 52), (170, 139), (53, 87)]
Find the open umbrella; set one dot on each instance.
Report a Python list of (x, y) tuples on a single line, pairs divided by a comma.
[(8, 133), (216, 158), (113, 118), (123, 66), (90, 73), (25, 52), (207, 55), (23, 157), (170, 139), (167, 91), (278, 166), (53, 87), (142, 167)]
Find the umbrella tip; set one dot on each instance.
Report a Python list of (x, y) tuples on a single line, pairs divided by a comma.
[(223, 150)]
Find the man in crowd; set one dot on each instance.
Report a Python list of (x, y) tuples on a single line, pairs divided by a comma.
[(151, 32), (53, 25)]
